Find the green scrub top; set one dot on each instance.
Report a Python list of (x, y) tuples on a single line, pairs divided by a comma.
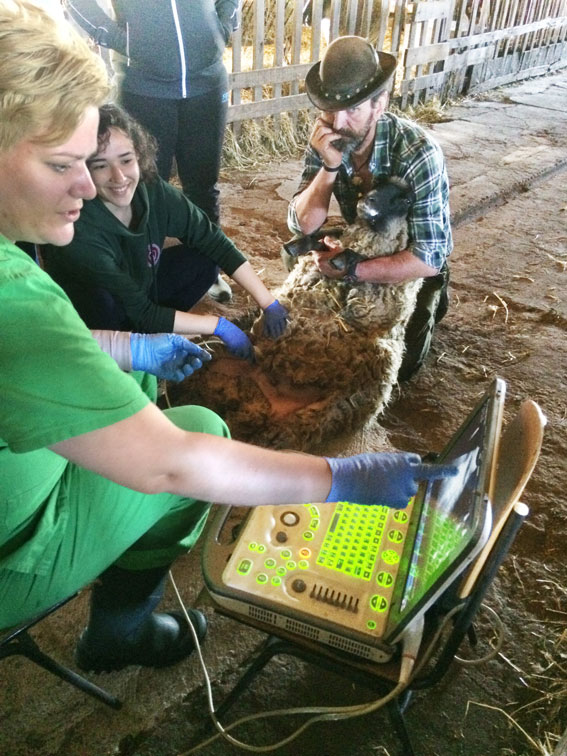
[(55, 383)]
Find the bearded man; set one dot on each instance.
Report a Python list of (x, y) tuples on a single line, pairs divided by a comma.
[(353, 141)]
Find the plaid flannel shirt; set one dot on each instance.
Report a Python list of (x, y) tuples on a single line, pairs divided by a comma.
[(403, 149)]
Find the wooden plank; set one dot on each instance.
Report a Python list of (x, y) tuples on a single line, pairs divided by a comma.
[(366, 19), (416, 56), (424, 39), (530, 13), (335, 18), (383, 24), (462, 43), (461, 26), (410, 86), (470, 58), (258, 47), (236, 60), (452, 63), (484, 15), (352, 12), (279, 42), (398, 24), (262, 76), (267, 107), (316, 16), (431, 10), (541, 37), (296, 41), (510, 78), (472, 16), (412, 42)]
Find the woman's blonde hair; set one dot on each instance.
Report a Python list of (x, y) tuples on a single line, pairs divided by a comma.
[(48, 76)]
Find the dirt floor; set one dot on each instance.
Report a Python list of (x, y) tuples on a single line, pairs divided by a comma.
[(507, 155)]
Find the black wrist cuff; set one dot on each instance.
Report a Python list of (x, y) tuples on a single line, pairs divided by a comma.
[(352, 262), (329, 169)]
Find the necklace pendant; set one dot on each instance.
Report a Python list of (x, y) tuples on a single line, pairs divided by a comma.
[(356, 181)]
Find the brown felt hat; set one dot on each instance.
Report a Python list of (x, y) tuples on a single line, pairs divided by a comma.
[(351, 71)]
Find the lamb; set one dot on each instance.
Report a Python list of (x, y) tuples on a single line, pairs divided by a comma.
[(336, 365)]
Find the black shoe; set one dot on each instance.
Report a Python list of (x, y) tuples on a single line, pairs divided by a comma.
[(163, 640)]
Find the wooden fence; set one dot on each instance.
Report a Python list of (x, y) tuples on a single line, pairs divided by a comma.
[(445, 48)]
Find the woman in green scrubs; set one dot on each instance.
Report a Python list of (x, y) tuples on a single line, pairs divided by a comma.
[(96, 481)]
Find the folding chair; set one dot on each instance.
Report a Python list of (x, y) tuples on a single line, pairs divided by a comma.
[(17, 641), (520, 445)]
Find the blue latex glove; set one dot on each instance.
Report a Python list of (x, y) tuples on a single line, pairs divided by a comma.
[(237, 341), (166, 355), (386, 478), (275, 320)]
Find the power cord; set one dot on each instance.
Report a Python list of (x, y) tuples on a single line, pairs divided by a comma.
[(411, 643)]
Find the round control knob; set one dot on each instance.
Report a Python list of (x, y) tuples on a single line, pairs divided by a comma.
[(290, 518), (281, 537), (298, 585)]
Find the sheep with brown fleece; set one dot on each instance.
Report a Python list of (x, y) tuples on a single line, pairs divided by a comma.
[(338, 360)]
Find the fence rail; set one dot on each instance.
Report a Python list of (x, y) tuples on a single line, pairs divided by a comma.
[(445, 48)]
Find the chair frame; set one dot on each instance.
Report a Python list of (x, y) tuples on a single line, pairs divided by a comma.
[(16, 641)]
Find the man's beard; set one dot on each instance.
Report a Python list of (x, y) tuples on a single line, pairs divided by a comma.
[(349, 141)]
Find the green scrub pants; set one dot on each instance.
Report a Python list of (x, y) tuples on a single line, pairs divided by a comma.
[(109, 524)]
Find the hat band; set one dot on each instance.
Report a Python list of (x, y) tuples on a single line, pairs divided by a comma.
[(346, 96)]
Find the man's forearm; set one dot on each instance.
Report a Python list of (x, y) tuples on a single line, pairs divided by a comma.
[(402, 266), (312, 205)]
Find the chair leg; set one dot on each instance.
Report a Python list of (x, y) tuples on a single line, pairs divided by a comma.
[(395, 711), (24, 645), (263, 657)]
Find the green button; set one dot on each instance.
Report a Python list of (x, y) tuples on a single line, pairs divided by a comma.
[(252, 545), (291, 565), (262, 578), (390, 556), (260, 548), (378, 603), (371, 625), (307, 535), (314, 524), (276, 580), (385, 579), (303, 564), (395, 536), (270, 563), (286, 554), (281, 571), (401, 516), (244, 567)]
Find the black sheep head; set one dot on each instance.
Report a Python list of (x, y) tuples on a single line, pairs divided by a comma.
[(388, 201)]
